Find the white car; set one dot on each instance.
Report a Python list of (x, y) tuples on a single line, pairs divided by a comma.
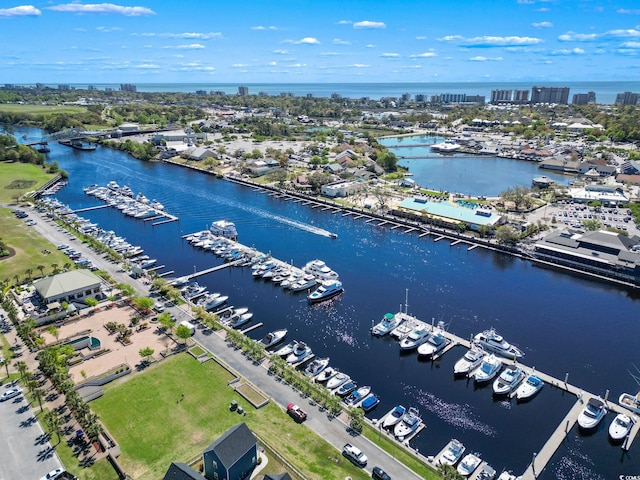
[(53, 474), (355, 455), (14, 392)]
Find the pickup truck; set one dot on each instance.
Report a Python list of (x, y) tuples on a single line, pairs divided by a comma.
[(355, 455)]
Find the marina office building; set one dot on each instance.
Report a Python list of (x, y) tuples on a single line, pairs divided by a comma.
[(446, 213)]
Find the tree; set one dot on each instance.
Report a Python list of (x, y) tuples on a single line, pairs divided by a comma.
[(357, 419), (41, 268), (55, 268), (506, 235), (53, 424), (28, 272), (183, 332), (91, 302), (591, 224), (5, 362), (146, 352), (53, 331), (166, 321), (449, 472), (126, 289), (94, 428), (22, 368), (38, 395)]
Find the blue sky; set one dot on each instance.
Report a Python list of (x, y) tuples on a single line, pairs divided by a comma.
[(189, 41)]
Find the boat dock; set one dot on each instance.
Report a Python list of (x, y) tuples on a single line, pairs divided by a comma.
[(436, 459), (88, 209), (476, 474), (212, 269)]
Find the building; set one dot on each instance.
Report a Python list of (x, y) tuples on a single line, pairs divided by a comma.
[(558, 95), (75, 285), (453, 97), (605, 194), (64, 86), (446, 213), (243, 91), (476, 99), (520, 96), (627, 98), (584, 98), (181, 471), (421, 98), (200, 153), (341, 189), (262, 167), (233, 456), (501, 96), (128, 87)]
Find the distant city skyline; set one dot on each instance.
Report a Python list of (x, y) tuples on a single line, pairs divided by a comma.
[(146, 41)]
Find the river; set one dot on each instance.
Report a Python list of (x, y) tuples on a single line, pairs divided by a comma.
[(563, 323)]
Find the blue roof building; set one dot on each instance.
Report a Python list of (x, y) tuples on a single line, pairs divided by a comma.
[(233, 456), (471, 214)]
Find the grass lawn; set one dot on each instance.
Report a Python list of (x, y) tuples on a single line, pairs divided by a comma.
[(40, 109), (20, 178), (29, 247), (154, 425)]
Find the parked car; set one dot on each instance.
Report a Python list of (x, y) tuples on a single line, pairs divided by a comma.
[(53, 474), (11, 393), (379, 474), (296, 413), (355, 455)]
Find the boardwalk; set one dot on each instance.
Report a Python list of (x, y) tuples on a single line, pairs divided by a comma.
[(213, 269)]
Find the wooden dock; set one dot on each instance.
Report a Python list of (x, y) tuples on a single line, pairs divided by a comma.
[(88, 209), (213, 269), (251, 328), (164, 274)]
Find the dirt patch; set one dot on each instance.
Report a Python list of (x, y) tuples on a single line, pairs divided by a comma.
[(11, 253), (20, 184)]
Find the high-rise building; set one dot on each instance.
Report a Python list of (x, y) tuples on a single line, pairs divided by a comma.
[(128, 87), (64, 86), (477, 99), (501, 96), (520, 96), (453, 97), (421, 98), (406, 97), (627, 98), (550, 95), (584, 98), (242, 91)]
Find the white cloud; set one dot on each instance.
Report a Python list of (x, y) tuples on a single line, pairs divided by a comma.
[(577, 37), (330, 54), (370, 45), (108, 29), (542, 24), (428, 54), (624, 33), (631, 45), (102, 8), (184, 35), (240, 65), (21, 11), (626, 11), (273, 64), (542, 9), (262, 27), (147, 66), (369, 24), (191, 46), (345, 22), (567, 51), (298, 65), (359, 65), (496, 41), (281, 52), (526, 2), (390, 55), (307, 41), (421, 37), (339, 41), (480, 58)]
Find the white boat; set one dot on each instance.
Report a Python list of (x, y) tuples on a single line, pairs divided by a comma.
[(591, 415), (300, 352), (316, 366), (273, 338), (394, 416), (224, 228), (236, 321), (384, 326), (417, 337), (491, 341), (410, 422), (532, 385), (156, 205), (447, 146), (469, 362), (141, 198), (453, 452), (357, 395), (631, 402), (217, 302), (327, 290), (337, 380), (434, 345), (304, 283), (319, 269), (326, 374), (488, 369), (468, 464), (505, 475), (286, 350), (508, 380), (486, 472), (620, 427)]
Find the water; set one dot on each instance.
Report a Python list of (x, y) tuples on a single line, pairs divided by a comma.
[(463, 173), (564, 324)]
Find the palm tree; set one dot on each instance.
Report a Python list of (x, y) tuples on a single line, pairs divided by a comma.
[(28, 272), (53, 330), (17, 277), (94, 429), (41, 268), (73, 400), (55, 268), (22, 368), (52, 421), (5, 362), (67, 265), (38, 395)]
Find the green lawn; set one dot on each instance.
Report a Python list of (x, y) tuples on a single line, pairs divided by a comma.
[(40, 109), (155, 426), (20, 178)]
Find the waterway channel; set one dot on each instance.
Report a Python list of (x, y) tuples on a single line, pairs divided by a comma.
[(563, 323)]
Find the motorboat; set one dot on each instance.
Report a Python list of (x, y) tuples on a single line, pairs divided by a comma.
[(506, 475), (486, 472), (337, 380), (630, 402), (531, 386), (327, 290), (410, 422), (320, 270), (304, 283), (236, 321), (357, 395), (346, 388), (620, 427), (225, 229), (402, 330), (389, 322), (508, 380), (316, 366), (206, 299), (273, 338), (326, 374), (488, 369), (436, 343), (394, 416), (417, 337), (300, 352), (263, 268), (491, 341), (468, 464), (370, 402), (286, 350), (156, 205), (216, 302), (452, 453), (469, 362), (591, 415)]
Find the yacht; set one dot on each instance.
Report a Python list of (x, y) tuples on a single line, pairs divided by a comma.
[(631, 402), (370, 402), (327, 290), (326, 374), (468, 464), (469, 362), (448, 146), (394, 416), (304, 283), (506, 475), (300, 352), (620, 427), (273, 338), (286, 350), (488, 369), (192, 290), (591, 415), (453, 452), (531, 386), (141, 198), (417, 337), (486, 472), (491, 341), (409, 424), (357, 395), (316, 366), (236, 320), (433, 346), (346, 388), (384, 326), (216, 302), (337, 380), (156, 205), (319, 269), (224, 228), (508, 380)]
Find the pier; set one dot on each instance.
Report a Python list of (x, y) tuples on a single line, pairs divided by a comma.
[(213, 269), (88, 209)]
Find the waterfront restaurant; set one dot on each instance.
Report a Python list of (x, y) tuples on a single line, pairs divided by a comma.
[(449, 213), (75, 285)]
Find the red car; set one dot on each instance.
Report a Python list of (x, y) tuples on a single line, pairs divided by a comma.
[(296, 413)]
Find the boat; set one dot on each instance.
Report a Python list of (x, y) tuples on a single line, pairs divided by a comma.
[(327, 290), (326, 374), (316, 366), (156, 205), (488, 369), (346, 388), (468, 464), (273, 338), (394, 416), (591, 415), (410, 422), (225, 229), (389, 322), (445, 147), (434, 345), (370, 402), (620, 427), (236, 321), (417, 337), (630, 402), (300, 352), (337, 380), (506, 475), (320, 270), (216, 302), (508, 380), (469, 362), (491, 341), (286, 350), (357, 395), (452, 453), (486, 472), (141, 198), (531, 386), (304, 283)]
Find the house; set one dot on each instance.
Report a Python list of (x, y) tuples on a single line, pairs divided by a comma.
[(602, 170), (341, 189), (277, 476), (181, 471), (408, 182), (262, 167), (233, 456), (200, 153), (75, 285), (333, 168)]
